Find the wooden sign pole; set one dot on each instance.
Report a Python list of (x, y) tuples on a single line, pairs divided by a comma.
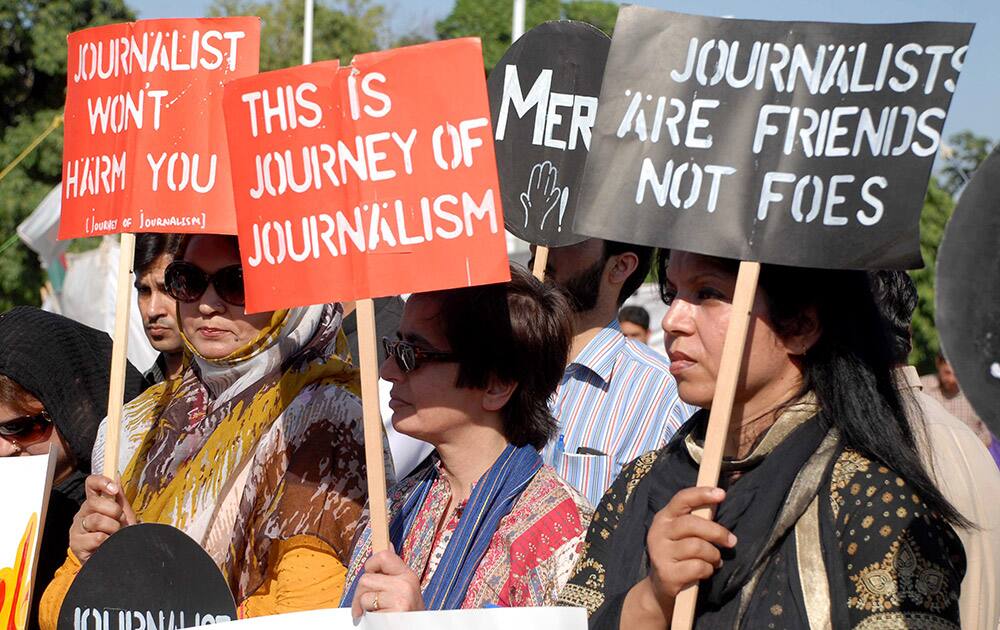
[(718, 420), (119, 354), (374, 455), (541, 260)]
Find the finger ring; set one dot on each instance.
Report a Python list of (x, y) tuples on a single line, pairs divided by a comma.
[(375, 602)]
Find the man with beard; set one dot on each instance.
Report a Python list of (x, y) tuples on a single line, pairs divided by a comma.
[(153, 252), (617, 399)]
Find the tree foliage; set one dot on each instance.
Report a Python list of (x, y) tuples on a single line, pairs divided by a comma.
[(597, 12), (32, 92), (340, 30), (966, 152), (962, 155), (491, 21), (938, 206)]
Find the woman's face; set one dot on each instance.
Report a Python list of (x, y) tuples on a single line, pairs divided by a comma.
[(425, 402), (215, 327), (695, 330), (35, 439)]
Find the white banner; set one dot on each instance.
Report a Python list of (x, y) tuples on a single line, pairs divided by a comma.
[(556, 618), (26, 482)]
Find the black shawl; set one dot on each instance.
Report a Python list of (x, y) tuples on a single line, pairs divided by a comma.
[(66, 366), (762, 487)]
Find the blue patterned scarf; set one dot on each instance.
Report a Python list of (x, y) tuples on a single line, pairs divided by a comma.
[(493, 497)]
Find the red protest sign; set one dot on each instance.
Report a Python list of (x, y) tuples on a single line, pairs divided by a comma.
[(370, 180), (145, 146)]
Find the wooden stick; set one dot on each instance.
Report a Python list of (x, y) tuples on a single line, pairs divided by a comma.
[(541, 260), (119, 354), (718, 419), (374, 455)]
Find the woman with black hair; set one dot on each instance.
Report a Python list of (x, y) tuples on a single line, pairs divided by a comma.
[(482, 521), (825, 517)]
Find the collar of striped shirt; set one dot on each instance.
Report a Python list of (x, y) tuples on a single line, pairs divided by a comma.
[(600, 354)]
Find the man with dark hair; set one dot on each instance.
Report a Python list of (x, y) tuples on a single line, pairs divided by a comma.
[(153, 252), (634, 321), (952, 454), (617, 399)]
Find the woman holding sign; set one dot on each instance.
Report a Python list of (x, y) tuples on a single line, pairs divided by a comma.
[(255, 451), (825, 516), (482, 521)]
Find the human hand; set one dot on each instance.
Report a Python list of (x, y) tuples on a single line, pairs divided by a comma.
[(543, 194), (684, 548), (104, 512), (388, 585)]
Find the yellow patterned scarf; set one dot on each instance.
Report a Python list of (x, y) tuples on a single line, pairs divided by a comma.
[(215, 449)]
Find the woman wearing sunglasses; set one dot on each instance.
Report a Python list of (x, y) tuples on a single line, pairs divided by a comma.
[(53, 394), (481, 521), (255, 451)]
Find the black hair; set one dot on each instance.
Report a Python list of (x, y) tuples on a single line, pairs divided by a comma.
[(896, 296), (634, 281), (634, 314), (849, 368), (150, 246), (518, 332)]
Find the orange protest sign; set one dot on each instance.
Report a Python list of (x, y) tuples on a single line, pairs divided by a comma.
[(369, 180), (145, 145)]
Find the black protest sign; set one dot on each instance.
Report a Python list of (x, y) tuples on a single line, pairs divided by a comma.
[(798, 143), (147, 576), (967, 310), (543, 102)]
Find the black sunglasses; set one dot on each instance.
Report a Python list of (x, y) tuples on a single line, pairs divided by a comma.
[(27, 430), (409, 357), (186, 282)]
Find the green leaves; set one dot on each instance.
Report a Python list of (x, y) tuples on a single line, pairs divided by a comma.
[(597, 12), (340, 31), (938, 206), (32, 91), (490, 20)]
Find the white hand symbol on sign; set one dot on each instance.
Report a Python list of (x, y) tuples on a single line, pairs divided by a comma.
[(543, 195)]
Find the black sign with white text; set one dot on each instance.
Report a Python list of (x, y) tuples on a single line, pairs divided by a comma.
[(147, 576), (543, 102), (797, 143)]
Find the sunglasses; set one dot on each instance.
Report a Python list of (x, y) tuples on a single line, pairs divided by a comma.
[(186, 282), (27, 430), (409, 357)]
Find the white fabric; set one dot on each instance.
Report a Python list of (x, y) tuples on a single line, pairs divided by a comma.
[(88, 296), (40, 229), (550, 618), (968, 477)]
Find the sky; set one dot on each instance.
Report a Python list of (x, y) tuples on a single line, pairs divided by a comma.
[(975, 106)]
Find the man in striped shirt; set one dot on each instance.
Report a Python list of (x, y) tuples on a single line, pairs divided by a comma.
[(617, 399)]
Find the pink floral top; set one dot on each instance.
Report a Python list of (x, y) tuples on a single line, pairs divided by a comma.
[(530, 556)]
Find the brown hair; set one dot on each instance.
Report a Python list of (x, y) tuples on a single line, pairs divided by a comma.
[(518, 332), (13, 395)]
